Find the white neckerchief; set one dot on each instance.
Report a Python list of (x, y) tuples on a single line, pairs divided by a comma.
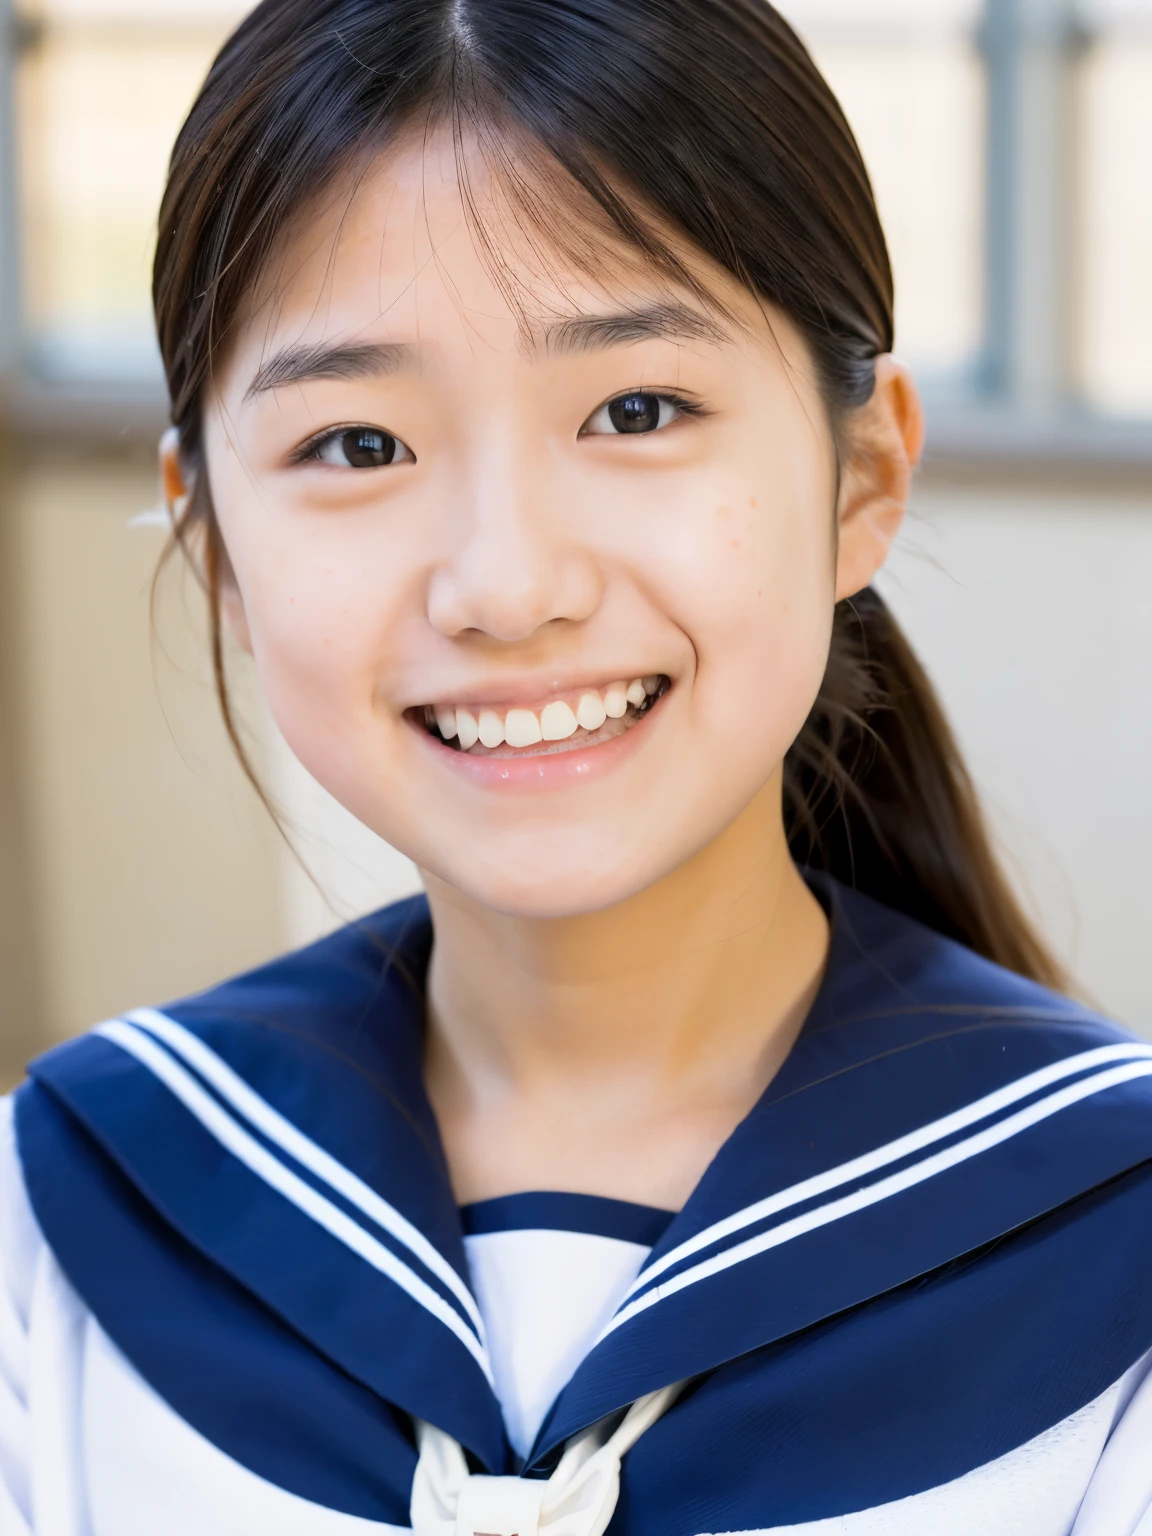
[(577, 1500)]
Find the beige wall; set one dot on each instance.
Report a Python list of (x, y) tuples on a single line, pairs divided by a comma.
[(1033, 610), (20, 1013), (150, 869)]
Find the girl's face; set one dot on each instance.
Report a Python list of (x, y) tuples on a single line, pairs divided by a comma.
[(539, 579)]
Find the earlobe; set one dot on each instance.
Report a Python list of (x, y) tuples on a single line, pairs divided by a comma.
[(177, 485), (886, 438), (174, 480)]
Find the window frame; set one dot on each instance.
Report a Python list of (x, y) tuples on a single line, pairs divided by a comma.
[(1022, 408)]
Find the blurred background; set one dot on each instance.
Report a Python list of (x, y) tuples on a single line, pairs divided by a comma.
[(1010, 142)]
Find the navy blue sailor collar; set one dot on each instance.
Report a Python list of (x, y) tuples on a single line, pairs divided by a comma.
[(278, 1126)]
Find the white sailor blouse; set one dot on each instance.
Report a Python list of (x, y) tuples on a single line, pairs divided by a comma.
[(911, 1296)]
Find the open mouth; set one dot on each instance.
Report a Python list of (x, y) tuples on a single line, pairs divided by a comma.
[(581, 719)]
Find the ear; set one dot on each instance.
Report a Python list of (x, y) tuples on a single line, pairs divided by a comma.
[(886, 438), (178, 485), (175, 483)]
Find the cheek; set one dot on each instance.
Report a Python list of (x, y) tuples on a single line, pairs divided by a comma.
[(763, 655), (321, 620), (753, 589), (303, 583)]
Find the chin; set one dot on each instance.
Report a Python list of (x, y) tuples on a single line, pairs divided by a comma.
[(551, 887)]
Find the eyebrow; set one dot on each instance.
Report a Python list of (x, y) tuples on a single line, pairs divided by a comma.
[(582, 333), (657, 322), (327, 360)]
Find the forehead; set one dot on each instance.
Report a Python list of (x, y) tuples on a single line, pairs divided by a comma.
[(436, 233)]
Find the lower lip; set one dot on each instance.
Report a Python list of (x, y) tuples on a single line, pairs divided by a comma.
[(553, 770)]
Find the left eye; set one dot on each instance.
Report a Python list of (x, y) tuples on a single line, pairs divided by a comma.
[(361, 448), (633, 414)]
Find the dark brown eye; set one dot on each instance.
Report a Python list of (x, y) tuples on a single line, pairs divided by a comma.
[(635, 413), (365, 449), (639, 412), (361, 448)]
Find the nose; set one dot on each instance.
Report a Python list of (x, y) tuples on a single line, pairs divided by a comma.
[(514, 565)]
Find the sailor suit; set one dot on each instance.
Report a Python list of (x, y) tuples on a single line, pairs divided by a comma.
[(911, 1294)]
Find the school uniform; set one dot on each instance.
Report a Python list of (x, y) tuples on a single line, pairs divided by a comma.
[(911, 1294)]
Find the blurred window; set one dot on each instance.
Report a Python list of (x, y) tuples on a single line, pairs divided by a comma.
[(895, 64), (1116, 201), (102, 86)]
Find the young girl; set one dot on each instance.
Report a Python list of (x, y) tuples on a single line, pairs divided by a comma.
[(713, 1149)]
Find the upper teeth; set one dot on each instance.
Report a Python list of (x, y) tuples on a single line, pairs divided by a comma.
[(554, 722)]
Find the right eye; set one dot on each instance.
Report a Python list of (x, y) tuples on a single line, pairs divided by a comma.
[(359, 448)]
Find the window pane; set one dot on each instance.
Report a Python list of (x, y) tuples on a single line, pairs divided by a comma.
[(101, 96), (1116, 223), (910, 79), (104, 92)]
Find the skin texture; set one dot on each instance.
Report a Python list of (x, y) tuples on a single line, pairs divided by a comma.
[(624, 953)]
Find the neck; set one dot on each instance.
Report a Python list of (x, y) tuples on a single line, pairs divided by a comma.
[(562, 1050)]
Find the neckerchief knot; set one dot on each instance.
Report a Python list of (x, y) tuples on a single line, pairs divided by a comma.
[(577, 1500)]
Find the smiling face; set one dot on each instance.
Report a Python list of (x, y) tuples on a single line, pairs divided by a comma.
[(539, 588)]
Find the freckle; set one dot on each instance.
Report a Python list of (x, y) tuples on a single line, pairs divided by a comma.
[(751, 501), (735, 543)]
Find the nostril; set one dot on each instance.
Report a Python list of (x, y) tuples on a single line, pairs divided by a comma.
[(508, 583)]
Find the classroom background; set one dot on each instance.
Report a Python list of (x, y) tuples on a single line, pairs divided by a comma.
[(1011, 146)]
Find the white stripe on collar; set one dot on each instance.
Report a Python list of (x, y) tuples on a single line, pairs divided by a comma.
[(258, 1112), (231, 1135), (907, 1178), (891, 1152)]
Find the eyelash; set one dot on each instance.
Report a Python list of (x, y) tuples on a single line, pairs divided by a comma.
[(309, 452), (681, 402), (693, 408)]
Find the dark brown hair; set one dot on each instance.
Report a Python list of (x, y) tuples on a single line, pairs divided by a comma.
[(706, 118)]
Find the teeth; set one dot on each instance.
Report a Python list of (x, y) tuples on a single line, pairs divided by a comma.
[(590, 712), (467, 728), (446, 720), (555, 722), (521, 728), (491, 728), (616, 700)]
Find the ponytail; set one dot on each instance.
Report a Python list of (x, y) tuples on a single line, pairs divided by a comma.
[(876, 794)]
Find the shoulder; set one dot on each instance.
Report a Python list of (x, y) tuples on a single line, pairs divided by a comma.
[(321, 1045), (318, 1052), (21, 1243), (320, 997), (911, 1029), (886, 964), (369, 964)]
